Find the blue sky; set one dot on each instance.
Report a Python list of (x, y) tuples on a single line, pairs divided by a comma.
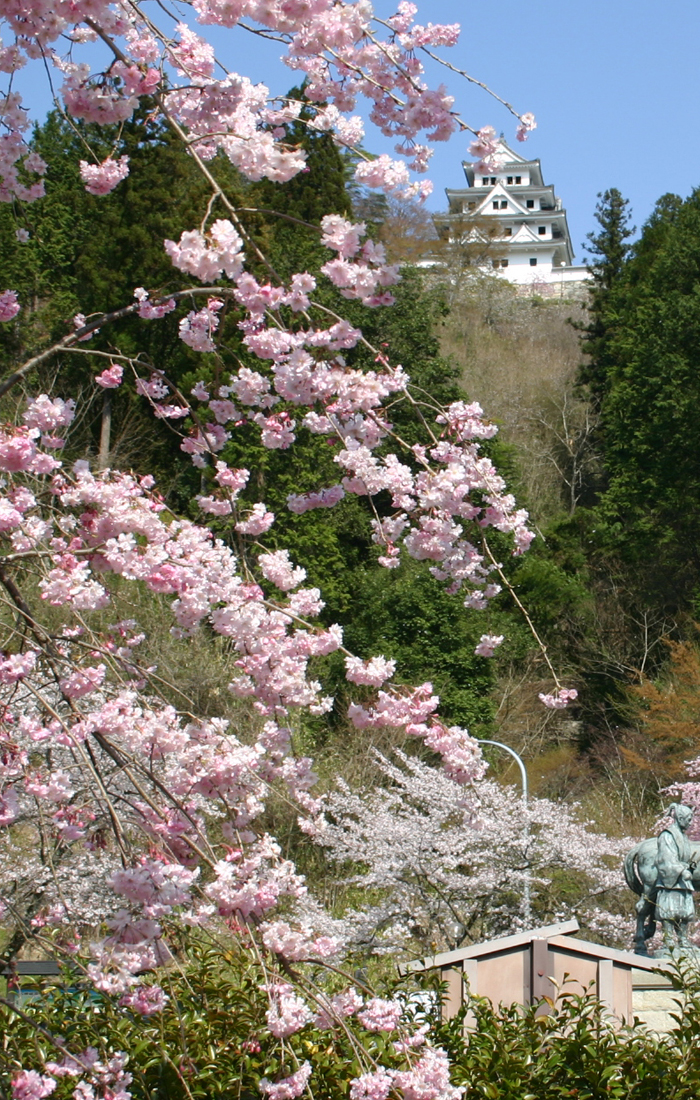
[(614, 84)]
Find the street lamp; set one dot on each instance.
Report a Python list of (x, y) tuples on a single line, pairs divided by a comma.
[(527, 913)]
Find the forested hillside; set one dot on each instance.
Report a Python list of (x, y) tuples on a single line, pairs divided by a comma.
[(92, 250), (597, 400)]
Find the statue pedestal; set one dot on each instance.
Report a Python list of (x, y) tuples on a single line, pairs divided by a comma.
[(654, 1000)]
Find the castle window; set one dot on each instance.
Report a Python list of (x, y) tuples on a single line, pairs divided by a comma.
[(533, 261), (504, 263), (494, 181), (530, 203), (504, 204), (510, 179), (485, 181), (471, 205), (518, 179), (507, 232), (542, 229), (495, 204)]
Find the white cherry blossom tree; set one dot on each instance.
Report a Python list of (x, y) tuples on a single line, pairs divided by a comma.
[(447, 865)]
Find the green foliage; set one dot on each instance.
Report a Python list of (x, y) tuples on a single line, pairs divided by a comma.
[(89, 253), (652, 449), (210, 1042), (609, 250), (556, 597), (573, 1051), (407, 615)]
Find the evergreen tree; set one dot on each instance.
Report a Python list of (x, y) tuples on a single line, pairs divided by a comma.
[(609, 251), (652, 505), (89, 253)]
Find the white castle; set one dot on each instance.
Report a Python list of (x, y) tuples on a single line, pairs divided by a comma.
[(532, 241)]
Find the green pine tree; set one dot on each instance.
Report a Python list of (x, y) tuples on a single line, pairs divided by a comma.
[(651, 508), (608, 249)]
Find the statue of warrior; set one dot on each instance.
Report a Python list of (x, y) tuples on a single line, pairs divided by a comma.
[(674, 899), (664, 871)]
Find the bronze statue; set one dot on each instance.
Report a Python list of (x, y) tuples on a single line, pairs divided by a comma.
[(664, 871)]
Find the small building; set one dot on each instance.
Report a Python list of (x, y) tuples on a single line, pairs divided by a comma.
[(524, 968), (532, 243)]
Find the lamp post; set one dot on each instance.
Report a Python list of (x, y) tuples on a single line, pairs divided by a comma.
[(527, 913)]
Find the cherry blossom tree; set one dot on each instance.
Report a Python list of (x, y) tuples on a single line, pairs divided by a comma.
[(162, 804), (447, 864)]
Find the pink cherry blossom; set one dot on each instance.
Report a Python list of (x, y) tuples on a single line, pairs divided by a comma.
[(102, 178), (146, 1000), (46, 414), (83, 681), (560, 700), (258, 522), (373, 672), (208, 259), (152, 311), (17, 666), (428, 1079), (110, 378), (488, 643), (288, 1013), (325, 498), (288, 1088), (485, 147), (9, 306), (379, 1015), (200, 391), (29, 1085), (526, 125), (372, 1086), (278, 569), (197, 329), (213, 506), (9, 806)]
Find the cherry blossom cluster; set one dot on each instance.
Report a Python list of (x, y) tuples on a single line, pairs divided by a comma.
[(360, 270), (559, 700), (342, 50), (434, 491), (110, 1078), (100, 179), (18, 164), (9, 306)]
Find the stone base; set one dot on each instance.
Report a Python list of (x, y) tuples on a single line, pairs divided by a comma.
[(654, 1000)]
